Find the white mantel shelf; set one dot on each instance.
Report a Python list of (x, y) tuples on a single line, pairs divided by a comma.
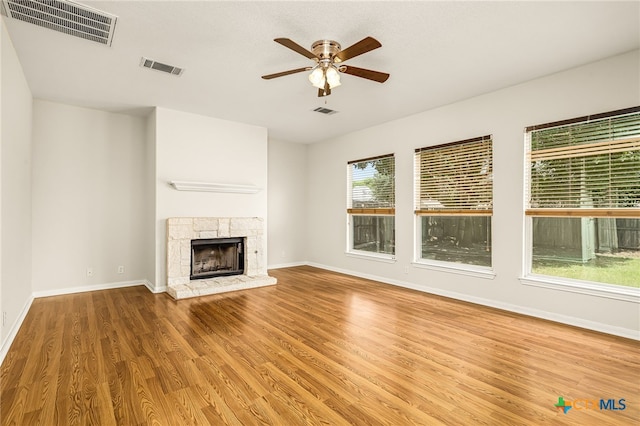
[(213, 187)]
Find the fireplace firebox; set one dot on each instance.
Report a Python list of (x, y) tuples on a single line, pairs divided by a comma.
[(217, 257)]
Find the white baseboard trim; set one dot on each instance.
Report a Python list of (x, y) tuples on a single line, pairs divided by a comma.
[(287, 265), (551, 316), (154, 289), (83, 289), (563, 319), (4, 349)]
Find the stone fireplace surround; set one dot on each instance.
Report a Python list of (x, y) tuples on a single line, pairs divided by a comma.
[(180, 232)]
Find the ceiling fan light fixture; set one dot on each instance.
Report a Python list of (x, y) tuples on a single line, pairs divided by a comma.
[(317, 77), (322, 74), (333, 78)]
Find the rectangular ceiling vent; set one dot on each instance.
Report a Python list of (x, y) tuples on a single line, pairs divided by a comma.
[(64, 16), (325, 111), (159, 66)]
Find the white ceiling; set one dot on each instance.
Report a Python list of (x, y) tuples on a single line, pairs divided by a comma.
[(436, 52)]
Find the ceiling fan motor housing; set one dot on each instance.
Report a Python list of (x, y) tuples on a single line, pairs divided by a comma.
[(325, 49)]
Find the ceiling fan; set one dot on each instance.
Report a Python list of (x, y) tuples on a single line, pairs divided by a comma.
[(328, 57)]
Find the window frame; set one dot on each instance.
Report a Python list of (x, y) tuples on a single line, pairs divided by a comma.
[(462, 268), (605, 290), (351, 212), (609, 291)]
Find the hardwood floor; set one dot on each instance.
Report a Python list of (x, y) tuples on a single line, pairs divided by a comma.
[(317, 348)]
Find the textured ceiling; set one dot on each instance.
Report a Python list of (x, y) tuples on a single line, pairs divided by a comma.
[(436, 52)]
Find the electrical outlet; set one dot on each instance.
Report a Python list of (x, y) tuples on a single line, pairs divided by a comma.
[(89, 271), (406, 269), (121, 269)]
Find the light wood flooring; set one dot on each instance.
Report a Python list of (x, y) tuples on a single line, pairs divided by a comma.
[(317, 348)]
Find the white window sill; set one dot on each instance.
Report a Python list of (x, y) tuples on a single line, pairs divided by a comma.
[(456, 268), (378, 257), (629, 294)]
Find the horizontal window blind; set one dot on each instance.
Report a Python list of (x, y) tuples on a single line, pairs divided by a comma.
[(455, 178), (371, 186), (589, 168)]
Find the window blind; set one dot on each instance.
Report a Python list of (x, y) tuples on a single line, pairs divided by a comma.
[(371, 186), (455, 178), (588, 168)]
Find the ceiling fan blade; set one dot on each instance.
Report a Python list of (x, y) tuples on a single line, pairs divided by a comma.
[(378, 76), (283, 73), (363, 46), (295, 47)]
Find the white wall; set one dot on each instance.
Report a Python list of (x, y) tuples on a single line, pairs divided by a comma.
[(150, 243), (287, 204), (3, 35), (88, 197), (15, 189), (196, 148), (599, 87)]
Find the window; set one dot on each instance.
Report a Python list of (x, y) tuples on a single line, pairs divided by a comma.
[(371, 206), (454, 202), (583, 199)]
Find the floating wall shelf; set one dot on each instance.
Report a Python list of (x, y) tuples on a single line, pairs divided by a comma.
[(213, 187)]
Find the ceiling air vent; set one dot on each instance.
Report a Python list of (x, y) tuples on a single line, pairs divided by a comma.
[(325, 111), (64, 16), (159, 66)]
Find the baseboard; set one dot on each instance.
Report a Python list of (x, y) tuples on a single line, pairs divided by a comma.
[(83, 289), (563, 319), (559, 318), (287, 265), (154, 289), (4, 349)]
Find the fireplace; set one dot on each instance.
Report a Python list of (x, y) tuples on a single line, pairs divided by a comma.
[(240, 271), (216, 257)]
